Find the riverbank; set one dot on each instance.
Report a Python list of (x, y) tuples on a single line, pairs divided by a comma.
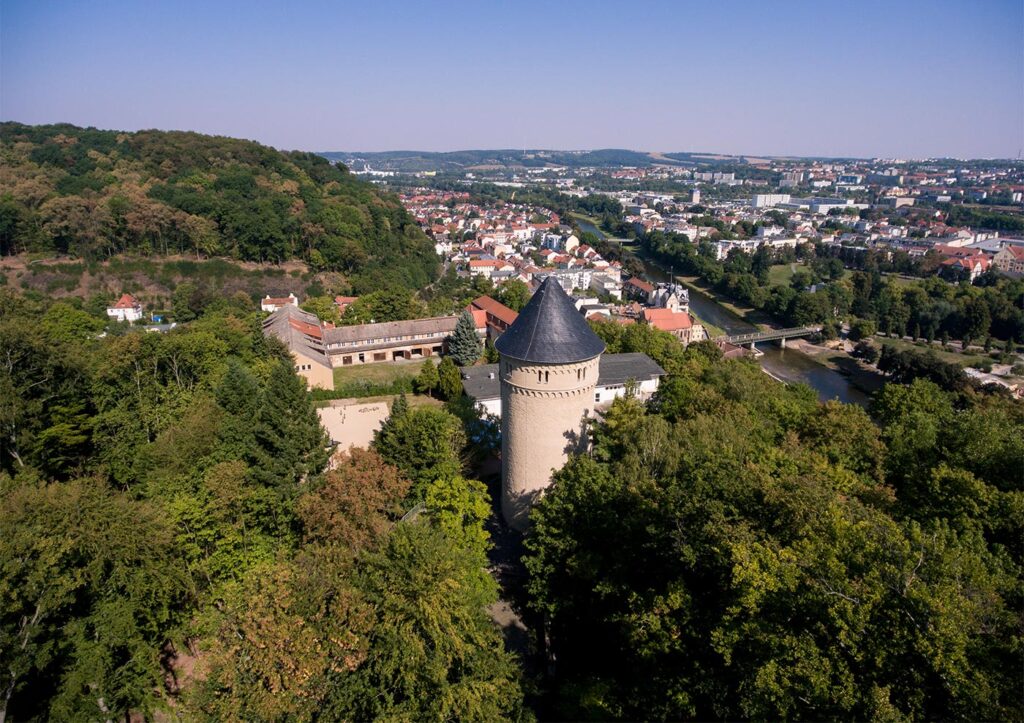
[(831, 373), (753, 316), (865, 378)]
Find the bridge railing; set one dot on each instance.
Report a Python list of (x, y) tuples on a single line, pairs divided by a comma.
[(771, 335)]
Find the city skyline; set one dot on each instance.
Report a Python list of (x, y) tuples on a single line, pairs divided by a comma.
[(917, 80)]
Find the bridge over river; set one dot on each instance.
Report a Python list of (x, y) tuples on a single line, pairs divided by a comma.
[(754, 337)]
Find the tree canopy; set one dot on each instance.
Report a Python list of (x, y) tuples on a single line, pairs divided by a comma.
[(94, 194), (737, 550)]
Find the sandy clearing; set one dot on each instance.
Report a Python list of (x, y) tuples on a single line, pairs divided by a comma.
[(353, 424)]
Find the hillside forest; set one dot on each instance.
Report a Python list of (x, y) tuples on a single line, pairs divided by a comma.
[(94, 194)]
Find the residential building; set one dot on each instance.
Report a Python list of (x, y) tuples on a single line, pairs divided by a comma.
[(302, 333), (679, 324), (390, 340), (767, 200), (497, 316), (127, 308), (1010, 259), (273, 303)]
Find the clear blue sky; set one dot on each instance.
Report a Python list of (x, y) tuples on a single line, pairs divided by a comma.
[(893, 78)]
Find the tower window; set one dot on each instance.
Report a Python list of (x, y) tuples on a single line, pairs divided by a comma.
[(540, 376), (545, 377)]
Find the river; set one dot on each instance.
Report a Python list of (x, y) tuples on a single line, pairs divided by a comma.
[(787, 364)]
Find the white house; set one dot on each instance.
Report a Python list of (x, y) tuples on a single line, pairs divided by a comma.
[(127, 308), (272, 303)]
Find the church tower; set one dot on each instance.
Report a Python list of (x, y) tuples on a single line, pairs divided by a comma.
[(548, 371)]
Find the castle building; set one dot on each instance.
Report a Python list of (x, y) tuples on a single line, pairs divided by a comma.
[(549, 367)]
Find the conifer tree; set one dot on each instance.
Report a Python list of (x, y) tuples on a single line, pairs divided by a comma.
[(428, 378), (450, 381), (464, 344), (291, 440)]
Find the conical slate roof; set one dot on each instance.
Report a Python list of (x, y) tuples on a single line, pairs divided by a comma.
[(550, 330)]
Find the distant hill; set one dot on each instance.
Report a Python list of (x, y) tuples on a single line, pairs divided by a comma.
[(94, 194), (456, 161), (462, 161)]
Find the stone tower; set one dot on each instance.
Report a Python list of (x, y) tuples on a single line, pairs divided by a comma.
[(548, 371)]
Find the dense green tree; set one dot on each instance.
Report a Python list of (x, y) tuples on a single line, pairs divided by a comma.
[(66, 323), (459, 507), (290, 440), (357, 502), (449, 379), (324, 308), (428, 379), (464, 343), (388, 304), (96, 193), (862, 329), (425, 443), (293, 632), (90, 594), (514, 294), (433, 652)]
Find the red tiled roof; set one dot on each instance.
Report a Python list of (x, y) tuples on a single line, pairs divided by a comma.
[(641, 285), (127, 301), (668, 320), (479, 318), (494, 308), (306, 328)]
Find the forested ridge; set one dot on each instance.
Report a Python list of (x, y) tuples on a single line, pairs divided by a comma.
[(93, 194)]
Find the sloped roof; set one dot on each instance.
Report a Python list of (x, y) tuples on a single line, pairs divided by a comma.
[(433, 326), (549, 330), (668, 320), (299, 330), (494, 307), (127, 301)]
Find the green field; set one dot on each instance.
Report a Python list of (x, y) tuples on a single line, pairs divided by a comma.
[(379, 373), (780, 274)]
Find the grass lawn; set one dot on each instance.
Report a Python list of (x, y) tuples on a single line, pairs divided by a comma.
[(952, 357), (900, 280), (780, 274), (378, 373)]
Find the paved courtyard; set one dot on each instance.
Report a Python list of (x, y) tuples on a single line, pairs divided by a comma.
[(352, 424)]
